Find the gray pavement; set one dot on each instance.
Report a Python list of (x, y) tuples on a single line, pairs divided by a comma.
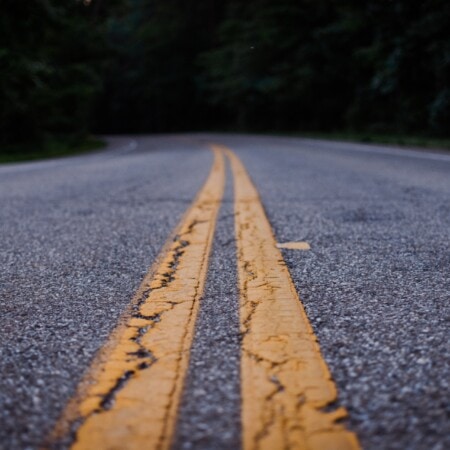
[(78, 235), (209, 417), (376, 282)]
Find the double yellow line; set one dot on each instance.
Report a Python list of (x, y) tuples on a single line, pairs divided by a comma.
[(132, 393)]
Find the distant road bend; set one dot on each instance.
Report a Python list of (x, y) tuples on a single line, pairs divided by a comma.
[(207, 291)]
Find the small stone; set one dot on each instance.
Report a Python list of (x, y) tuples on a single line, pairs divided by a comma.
[(423, 361)]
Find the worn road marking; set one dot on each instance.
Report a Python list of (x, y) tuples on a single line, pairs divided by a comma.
[(294, 245), (285, 382), (133, 403)]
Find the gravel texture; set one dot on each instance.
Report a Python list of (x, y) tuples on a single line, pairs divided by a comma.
[(78, 235), (209, 417), (376, 281)]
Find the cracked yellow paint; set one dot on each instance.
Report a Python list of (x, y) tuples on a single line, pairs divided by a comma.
[(294, 245), (134, 400), (285, 383)]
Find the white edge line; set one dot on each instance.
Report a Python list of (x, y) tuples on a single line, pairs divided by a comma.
[(366, 148)]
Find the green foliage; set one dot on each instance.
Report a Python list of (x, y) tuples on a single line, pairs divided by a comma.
[(51, 147), (50, 72), (76, 66), (316, 65), (154, 83)]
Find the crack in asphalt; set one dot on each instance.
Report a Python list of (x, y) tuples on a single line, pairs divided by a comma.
[(108, 398), (156, 335), (285, 381)]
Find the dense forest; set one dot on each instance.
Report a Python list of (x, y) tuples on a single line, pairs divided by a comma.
[(74, 67)]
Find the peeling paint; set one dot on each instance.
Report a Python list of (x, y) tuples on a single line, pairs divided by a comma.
[(294, 245), (134, 400), (285, 383)]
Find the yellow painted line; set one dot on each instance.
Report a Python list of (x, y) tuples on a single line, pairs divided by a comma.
[(133, 401), (285, 383), (294, 245)]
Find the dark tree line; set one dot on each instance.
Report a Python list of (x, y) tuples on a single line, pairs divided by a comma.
[(70, 67)]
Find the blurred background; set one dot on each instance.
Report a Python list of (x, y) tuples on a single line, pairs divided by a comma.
[(70, 69)]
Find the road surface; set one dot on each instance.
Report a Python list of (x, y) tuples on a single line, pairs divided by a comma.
[(84, 238)]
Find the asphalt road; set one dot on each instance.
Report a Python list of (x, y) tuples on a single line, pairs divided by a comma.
[(78, 235)]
